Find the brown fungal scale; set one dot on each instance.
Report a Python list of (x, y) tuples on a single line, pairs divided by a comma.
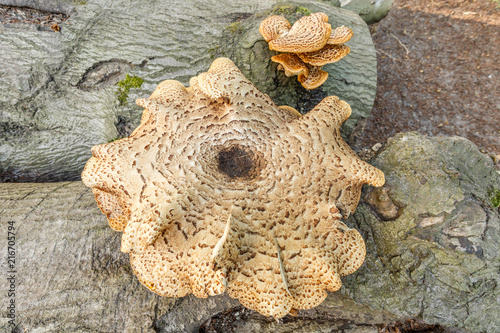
[(327, 55), (219, 189), (310, 42), (314, 79), (292, 64), (309, 33), (340, 35), (275, 27)]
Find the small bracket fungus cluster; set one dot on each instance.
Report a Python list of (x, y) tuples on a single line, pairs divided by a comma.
[(219, 189), (310, 43)]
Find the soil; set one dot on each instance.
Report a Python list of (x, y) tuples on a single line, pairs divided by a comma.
[(438, 72), (44, 20), (227, 322)]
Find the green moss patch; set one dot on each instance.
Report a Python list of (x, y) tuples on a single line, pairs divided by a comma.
[(289, 10), (114, 139), (235, 27), (494, 195), (125, 85), (302, 10)]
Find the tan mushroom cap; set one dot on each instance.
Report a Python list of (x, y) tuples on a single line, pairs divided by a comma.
[(112, 208), (340, 35), (274, 27), (309, 33), (316, 78), (291, 64), (327, 55), (219, 189), (291, 111)]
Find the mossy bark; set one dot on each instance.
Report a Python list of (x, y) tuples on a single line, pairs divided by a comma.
[(439, 259)]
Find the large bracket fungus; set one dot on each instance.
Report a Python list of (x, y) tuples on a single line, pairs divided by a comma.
[(311, 44), (219, 189)]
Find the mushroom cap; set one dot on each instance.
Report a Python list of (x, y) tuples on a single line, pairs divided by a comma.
[(274, 27), (219, 189), (111, 206), (327, 55), (291, 63), (316, 78), (340, 35), (309, 33), (291, 111)]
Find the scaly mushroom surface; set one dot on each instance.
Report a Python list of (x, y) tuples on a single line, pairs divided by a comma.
[(311, 44), (219, 189), (291, 64), (340, 35), (274, 27), (307, 34), (314, 79), (327, 55)]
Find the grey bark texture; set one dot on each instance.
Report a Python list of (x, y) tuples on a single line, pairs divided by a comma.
[(58, 93), (71, 276), (432, 235)]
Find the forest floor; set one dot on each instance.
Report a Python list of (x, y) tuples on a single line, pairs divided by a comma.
[(438, 72)]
